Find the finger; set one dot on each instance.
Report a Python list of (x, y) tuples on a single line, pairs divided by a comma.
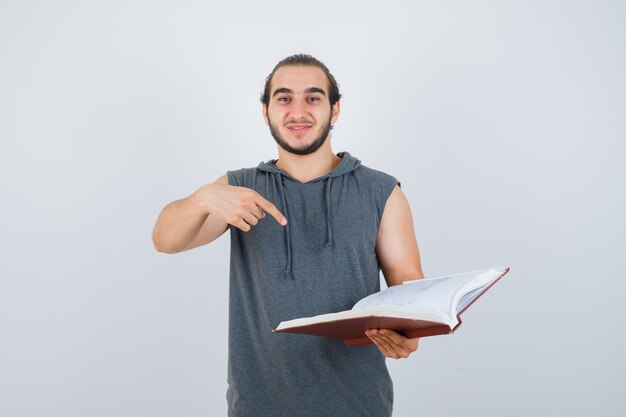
[(390, 347), (249, 218), (374, 340), (258, 212), (396, 338), (382, 349), (271, 209), (242, 225), (381, 342), (397, 345), (392, 335)]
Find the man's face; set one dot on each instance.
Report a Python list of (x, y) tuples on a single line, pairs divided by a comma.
[(299, 113)]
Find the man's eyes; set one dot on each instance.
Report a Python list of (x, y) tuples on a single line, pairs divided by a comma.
[(309, 98)]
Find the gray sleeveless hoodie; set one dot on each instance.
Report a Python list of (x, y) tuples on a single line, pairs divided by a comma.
[(323, 261)]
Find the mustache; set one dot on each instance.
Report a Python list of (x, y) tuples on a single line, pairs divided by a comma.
[(298, 123)]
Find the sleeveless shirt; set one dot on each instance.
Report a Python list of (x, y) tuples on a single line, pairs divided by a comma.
[(323, 261)]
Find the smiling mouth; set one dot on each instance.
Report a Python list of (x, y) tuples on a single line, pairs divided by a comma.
[(299, 129)]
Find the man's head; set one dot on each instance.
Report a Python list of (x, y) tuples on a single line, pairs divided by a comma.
[(300, 103)]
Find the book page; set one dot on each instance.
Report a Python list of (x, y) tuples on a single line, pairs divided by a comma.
[(425, 294), (469, 297)]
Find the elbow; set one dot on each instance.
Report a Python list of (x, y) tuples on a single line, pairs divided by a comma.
[(160, 246)]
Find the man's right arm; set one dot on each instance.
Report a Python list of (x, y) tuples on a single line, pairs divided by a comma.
[(186, 224), (207, 213)]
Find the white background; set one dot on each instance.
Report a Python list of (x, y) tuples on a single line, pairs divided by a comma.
[(504, 121)]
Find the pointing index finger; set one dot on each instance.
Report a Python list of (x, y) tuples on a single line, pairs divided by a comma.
[(271, 209)]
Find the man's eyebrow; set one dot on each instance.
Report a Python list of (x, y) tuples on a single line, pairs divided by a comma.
[(316, 90), (289, 91), (281, 90)]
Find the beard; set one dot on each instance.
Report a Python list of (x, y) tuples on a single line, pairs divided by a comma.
[(310, 148)]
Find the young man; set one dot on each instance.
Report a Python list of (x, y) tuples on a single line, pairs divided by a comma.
[(334, 224)]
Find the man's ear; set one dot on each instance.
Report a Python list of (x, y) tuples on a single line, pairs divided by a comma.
[(335, 113), (265, 114)]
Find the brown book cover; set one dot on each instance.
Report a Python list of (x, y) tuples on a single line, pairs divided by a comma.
[(352, 330)]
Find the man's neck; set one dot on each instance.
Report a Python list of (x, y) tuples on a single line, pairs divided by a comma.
[(305, 168)]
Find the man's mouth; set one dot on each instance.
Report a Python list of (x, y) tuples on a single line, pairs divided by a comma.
[(298, 129)]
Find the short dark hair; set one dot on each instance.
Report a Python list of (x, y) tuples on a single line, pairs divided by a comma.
[(303, 59)]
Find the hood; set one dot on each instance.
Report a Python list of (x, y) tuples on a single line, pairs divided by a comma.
[(348, 163)]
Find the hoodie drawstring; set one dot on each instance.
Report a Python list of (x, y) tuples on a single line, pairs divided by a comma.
[(329, 230), (283, 202), (329, 243)]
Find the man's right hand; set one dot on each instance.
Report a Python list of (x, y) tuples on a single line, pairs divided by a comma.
[(206, 214), (239, 206)]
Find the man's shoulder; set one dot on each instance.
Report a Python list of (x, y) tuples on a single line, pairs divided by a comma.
[(241, 175), (367, 170), (375, 176), (244, 170)]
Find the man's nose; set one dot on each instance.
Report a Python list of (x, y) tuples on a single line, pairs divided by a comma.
[(299, 109)]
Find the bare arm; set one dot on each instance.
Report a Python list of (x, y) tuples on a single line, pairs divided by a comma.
[(185, 224), (207, 213), (396, 246), (399, 259)]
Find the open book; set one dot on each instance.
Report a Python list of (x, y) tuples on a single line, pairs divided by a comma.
[(417, 308)]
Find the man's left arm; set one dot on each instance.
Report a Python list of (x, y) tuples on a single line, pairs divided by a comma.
[(399, 259)]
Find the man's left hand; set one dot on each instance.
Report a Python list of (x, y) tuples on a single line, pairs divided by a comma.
[(393, 344)]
